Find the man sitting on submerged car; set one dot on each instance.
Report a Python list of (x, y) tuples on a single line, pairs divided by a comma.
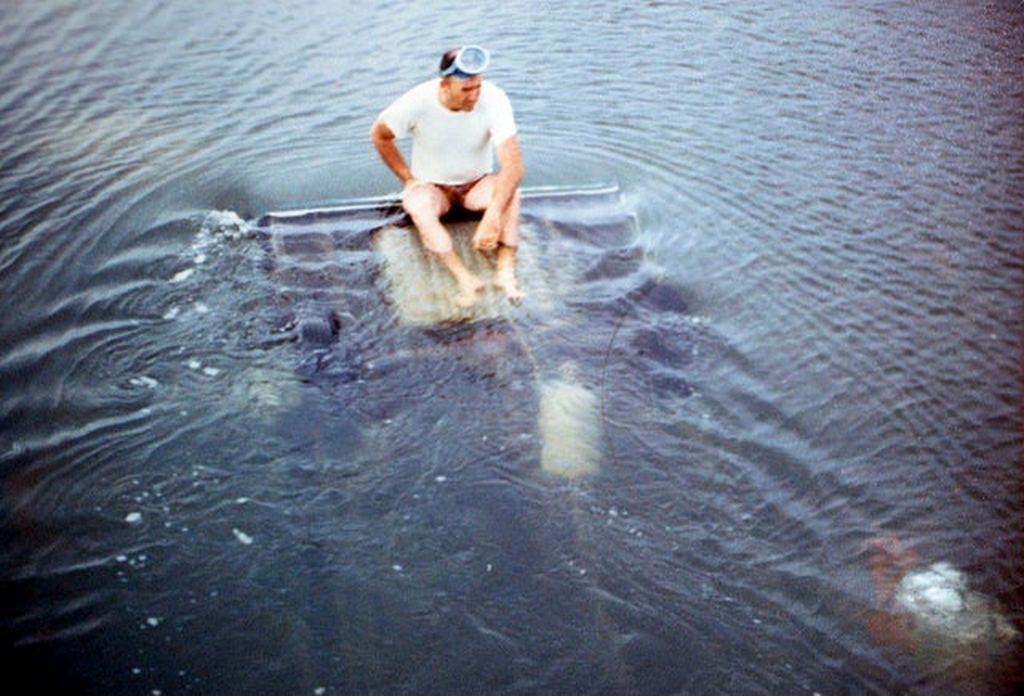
[(458, 121)]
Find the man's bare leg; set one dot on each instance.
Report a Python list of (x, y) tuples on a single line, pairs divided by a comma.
[(469, 284), (479, 198), (505, 274), (426, 204), (505, 270)]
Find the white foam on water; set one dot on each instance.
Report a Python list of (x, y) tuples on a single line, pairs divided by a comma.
[(939, 600), (133, 517), (224, 224), (182, 275), (242, 537), (144, 381), (570, 428), (214, 228), (934, 591)]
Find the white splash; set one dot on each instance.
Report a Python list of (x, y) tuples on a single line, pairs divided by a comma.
[(182, 275), (242, 537), (215, 227), (226, 224), (937, 590), (133, 517), (570, 427), (942, 605)]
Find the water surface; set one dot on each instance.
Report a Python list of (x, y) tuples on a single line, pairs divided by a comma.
[(818, 221)]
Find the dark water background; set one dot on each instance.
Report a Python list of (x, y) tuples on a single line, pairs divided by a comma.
[(835, 190)]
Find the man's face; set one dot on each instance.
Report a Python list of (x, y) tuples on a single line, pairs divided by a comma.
[(463, 94)]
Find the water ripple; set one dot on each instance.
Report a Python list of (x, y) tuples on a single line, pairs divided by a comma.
[(832, 197)]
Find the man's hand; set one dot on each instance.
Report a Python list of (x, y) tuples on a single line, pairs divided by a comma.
[(487, 233)]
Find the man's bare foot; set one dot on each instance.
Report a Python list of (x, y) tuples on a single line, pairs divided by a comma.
[(505, 280), (469, 292)]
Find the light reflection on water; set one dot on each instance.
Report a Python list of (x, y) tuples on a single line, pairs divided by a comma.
[(808, 337)]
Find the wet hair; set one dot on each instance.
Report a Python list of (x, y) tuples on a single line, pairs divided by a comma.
[(448, 58)]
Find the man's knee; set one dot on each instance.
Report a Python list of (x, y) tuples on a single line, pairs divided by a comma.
[(479, 197), (423, 201), (426, 211)]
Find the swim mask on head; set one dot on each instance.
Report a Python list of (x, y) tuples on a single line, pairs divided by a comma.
[(469, 61)]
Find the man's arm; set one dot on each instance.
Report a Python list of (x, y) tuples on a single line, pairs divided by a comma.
[(384, 140), (505, 184), (511, 159)]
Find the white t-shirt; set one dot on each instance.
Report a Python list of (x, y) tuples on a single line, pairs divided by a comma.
[(451, 147)]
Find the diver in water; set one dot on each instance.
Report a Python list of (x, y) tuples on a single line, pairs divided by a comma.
[(458, 121)]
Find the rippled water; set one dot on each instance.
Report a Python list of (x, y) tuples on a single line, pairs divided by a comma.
[(800, 313)]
